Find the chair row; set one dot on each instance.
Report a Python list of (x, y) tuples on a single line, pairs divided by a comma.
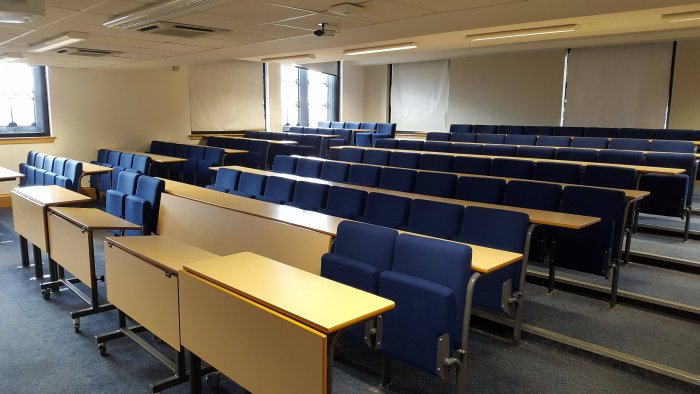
[(671, 195), (43, 169), (118, 162), (569, 131), (565, 141), (196, 169), (428, 280), (136, 198), (595, 249), (382, 130), (257, 151), (306, 144)]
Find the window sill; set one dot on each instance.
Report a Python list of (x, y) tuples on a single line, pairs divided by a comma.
[(26, 140)]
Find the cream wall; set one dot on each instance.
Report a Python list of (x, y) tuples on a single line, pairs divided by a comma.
[(685, 102), (91, 109), (509, 88), (352, 92), (376, 88)]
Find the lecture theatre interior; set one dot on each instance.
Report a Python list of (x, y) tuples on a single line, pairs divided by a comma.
[(371, 196)]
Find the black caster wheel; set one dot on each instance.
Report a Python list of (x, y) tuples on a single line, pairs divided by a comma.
[(76, 324), (46, 293), (102, 348), (213, 379)]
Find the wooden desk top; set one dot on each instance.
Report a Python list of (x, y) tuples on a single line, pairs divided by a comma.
[(50, 195), (317, 302), (556, 219), (279, 142), (9, 175), (93, 169), (320, 135), (196, 137), (158, 158), (165, 253), (631, 194), (90, 219), (640, 169)]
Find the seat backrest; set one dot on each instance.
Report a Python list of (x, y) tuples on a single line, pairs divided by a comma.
[(672, 146), (102, 154), (629, 144), (568, 131), (461, 128), (436, 162), (557, 172), (345, 202), (310, 196), (213, 155), (539, 130), (73, 170), (59, 165), (677, 134), (322, 123), (227, 178), (436, 219), (334, 171), (469, 149), (150, 189), (511, 129), (404, 159), (113, 157), (480, 189), (537, 152), (31, 156), (388, 129), (521, 139), (636, 133), (386, 143), (323, 131), (284, 164), (399, 179), (437, 146), (126, 160), (297, 129), (614, 156), (48, 162), (437, 136), (485, 128), (685, 161), (610, 176), (252, 134), (314, 141), (436, 184), (491, 138), (549, 140), (182, 150), (352, 125), (353, 155), (365, 175), (463, 137), (512, 168), (576, 154), (169, 147), (127, 181), (609, 205), (471, 165), (603, 132), (337, 125), (533, 195), (500, 150), (590, 142), (386, 210), (308, 168), (279, 188), (367, 243), (376, 157), (495, 228), (141, 164), (410, 144), (252, 184), (368, 126)]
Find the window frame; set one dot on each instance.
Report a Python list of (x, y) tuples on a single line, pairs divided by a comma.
[(41, 111)]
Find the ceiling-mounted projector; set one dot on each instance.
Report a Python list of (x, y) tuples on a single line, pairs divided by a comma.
[(326, 30), (20, 11)]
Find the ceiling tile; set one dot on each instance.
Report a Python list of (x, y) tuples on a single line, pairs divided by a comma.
[(454, 5), (181, 48), (258, 11), (312, 22), (218, 21), (89, 18), (117, 7), (314, 5), (77, 5), (377, 11), (277, 31)]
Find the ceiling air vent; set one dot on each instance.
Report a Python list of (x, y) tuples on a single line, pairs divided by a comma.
[(178, 29), (86, 52)]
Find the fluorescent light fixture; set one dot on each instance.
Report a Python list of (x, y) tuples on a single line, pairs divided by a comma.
[(306, 56), (538, 31), (58, 42), (10, 57), (159, 12), (383, 48), (681, 16)]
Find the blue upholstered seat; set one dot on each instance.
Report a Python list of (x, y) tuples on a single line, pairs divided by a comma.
[(479, 189), (399, 179), (512, 168), (602, 132), (404, 159), (539, 130), (557, 172), (537, 152), (471, 165), (386, 143), (558, 141), (226, 180), (490, 138), (335, 171), (629, 144), (309, 196), (610, 176), (672, 146), (284, 164), (614, 156), (278, 190), (437, 136), (589, 142), (309, 168), (521, 139), (459, 128), (386, 210), (376, 157), (463, 137), (437, 146), (364, 175), (436, 184), (353, 155), (534, 195), (568, 131), (345, 202), (250, 185), (433, 218), (511, 129), (500, 150), (410, 144), (142, 207), (575, 154), (115, 198), (433, 162), (485, 128)]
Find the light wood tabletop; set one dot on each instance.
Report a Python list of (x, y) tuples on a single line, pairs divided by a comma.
[(630, 194), (640, 169), (325, 136), (90, 219), (556, 219), (162, 159), (50, 195), (94, 169), (278, 142), (9, 175), (317, 302), (163, 252)]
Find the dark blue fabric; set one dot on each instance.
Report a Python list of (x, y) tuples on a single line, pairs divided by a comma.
[(507, 129), (399, 179), (539, 130), (573, 154), (490, 138), (558, 141), (569, 131), (485, 128), (337, 125), (673, 160), (278, 190), (376, 157), (677, 134), (461, 128), (629, 144), (370, 244), (636, 133), (386, 210), (73, 171), (614, 156), (284, 164), (602, 132), (309, 168), (471, 165), (469, 149), (534, 195), (672, 146), (322, 123), (310, 196), (368, 126), (48, 162), (250, 184), (436, 184), (138, 210), (387, 143), (557, 172), (59, 165), (610, 176), (141, 164), (463, 137), (437, 146), (352, 125), (488, 190), (538, 152), (150, 189), (313, 141), (334, 171), (437, 136), (500, 150), (590, 142), (345, 202), (668, 194), (363, 139), (351, 272), (518, 139), (410, 144), (226, 179), (365, 175), (436, 219), (353, 155), (512, 168), (436, 162), (404, 159)]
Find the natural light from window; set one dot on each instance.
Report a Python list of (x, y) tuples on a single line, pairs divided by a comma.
[(17, 99)]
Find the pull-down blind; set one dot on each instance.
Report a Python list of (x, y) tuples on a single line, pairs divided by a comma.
[(419, 93)]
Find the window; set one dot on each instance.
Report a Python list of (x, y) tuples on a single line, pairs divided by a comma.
[(23, 101), (308, 96)]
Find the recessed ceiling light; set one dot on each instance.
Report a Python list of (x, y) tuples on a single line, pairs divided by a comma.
[(306, 56), (681, 17), (384, 48), (538, 31), (10, 57), (58, 42)]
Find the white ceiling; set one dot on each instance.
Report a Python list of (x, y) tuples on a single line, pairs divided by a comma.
[(259, 29)]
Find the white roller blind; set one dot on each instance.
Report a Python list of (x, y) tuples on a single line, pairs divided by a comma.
[(226, 95), (419, 93), (618, 86)]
